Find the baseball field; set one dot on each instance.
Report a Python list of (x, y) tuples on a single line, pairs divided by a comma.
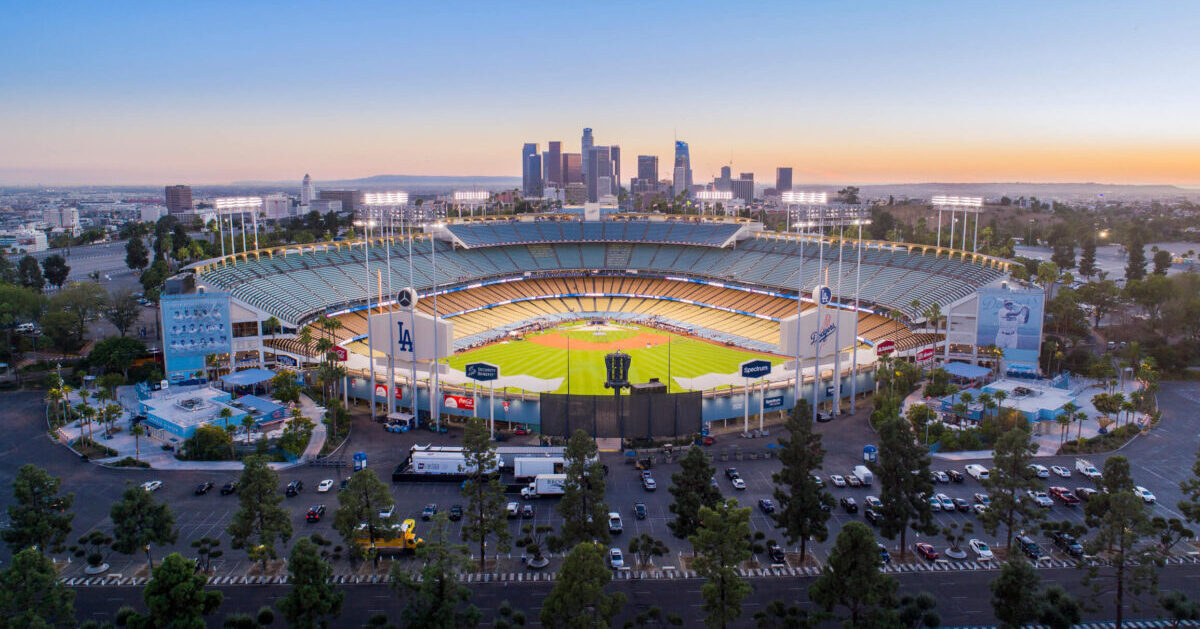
[(545, 355)]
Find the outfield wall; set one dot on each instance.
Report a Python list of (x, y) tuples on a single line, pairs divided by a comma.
[(629, 416)]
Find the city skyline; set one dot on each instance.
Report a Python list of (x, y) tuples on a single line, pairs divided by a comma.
[(1073, 92)]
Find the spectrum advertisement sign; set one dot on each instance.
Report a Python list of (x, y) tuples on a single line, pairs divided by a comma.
[(1012, 321), (193, 327)]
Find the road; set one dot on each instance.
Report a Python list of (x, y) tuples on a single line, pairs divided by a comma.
[(963, 598), (1159, 461)]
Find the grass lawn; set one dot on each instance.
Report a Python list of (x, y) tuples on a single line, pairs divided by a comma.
[(541, 355)]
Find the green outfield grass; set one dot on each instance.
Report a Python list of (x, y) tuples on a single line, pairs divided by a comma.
[(688, 358)]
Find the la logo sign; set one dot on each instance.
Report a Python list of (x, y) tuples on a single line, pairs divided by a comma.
[(403, 338)]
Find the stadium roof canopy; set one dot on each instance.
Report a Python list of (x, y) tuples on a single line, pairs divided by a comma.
[(248, 377), (963, 370)]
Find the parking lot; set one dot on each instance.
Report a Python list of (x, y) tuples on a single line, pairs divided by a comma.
[(1159, 461)]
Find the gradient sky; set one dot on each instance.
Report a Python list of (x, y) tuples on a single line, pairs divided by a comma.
[(844, 92)]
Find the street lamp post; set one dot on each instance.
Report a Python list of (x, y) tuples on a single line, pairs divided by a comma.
[(387, 202)]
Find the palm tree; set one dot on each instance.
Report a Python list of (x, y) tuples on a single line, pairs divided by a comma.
[(1129, 407), (988, 402), (1118, 405), (247, 423), (1064, 422), (137, 431), (66, 390), (109, 415), (306, 339), (86, 413), (225, 414), (272, 324), (1080, 416), (1068, 412), (56, 397), (1000, 396)]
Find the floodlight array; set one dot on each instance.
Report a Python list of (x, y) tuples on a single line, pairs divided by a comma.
[(385, 198), (806, 198), (945, 201)]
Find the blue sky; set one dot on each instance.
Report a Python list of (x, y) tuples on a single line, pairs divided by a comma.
[(206, 92)]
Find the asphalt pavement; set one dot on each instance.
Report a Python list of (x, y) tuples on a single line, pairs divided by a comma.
[(1159, 461)]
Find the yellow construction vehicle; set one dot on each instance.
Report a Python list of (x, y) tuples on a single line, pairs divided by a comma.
[(399, 538)]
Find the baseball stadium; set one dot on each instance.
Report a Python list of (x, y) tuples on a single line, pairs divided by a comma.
[(546, 297)]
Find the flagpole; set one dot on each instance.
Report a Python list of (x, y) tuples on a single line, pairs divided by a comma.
[(854, 358), (817, 326), (837, 331)]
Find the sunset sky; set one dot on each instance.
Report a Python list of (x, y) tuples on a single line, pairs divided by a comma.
[(844, 92)]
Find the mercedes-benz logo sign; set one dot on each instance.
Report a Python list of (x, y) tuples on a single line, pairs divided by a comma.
[(407, 298)]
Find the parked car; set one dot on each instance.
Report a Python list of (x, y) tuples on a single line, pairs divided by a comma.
[(873, 502), (1060, 471), (884, 555), (947, 503), (940, 476), (775, 552), (824, 417), (955, 476), (962, 505), (294, 488), (1040, 470), (152, 485), (926, 551), (935, 504), (229, 488), (817, 479), (982, 550), (512, 509), (648, 483), (456, 512), (982, 499), (615, 525), (738, 483), (872, 516), (707, 440), (979, 509), (837, 480), (325, 485), (1030, 548), (1040, 498), (388, 511), (853, 480), (520, 431), (1145, 495), (527, 511), (616, 560), (1085, 493), (766, 505), (1064, 495), (429, 511), (203, 488), (731, 473), (976, 471), (849, 505), (639, 510), (1067, 543), (315, 513), (344, 484)]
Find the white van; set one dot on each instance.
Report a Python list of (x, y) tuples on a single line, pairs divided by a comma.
[(978, 472)]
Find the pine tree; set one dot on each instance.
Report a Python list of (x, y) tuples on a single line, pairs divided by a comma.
[(852, 580), (692, 489), (311, 599), (260, 520), (803, 507), (722, 543), (902, 471), (139, 522), (358, 510), (437, 599), (582, 505), (1007, 483), (578, 600), (38, 515), (484, 516), (175, 597), (31, 594), (1087, 259), (1135, 268), (1014, 593)]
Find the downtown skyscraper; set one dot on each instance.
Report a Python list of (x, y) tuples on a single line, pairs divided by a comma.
[(682, 180), (531, 171)]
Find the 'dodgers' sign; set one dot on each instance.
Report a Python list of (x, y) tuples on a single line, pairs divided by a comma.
[(755, 368), (483, 372)]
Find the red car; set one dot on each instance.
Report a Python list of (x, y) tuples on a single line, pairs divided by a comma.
[(926, 551), (1064, 495), (707, 440), (520, 430)]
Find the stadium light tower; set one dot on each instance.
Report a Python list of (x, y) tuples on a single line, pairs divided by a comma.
[(472, 199), (793, 198), (388, 203), (968, 205), (367, 224), (711, 197), (239, 205)]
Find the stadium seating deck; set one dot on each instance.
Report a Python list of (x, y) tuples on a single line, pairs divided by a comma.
[(299, 286)]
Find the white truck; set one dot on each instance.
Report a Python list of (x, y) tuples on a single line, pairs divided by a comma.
[(864, 475), (544, 485), (1085, 467), (977, 471), (531, 466)]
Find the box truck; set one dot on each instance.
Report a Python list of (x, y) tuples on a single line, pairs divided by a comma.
[(531, 466), (864, 475), (544, 485)]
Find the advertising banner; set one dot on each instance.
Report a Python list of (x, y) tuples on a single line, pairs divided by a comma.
[(773, 401), (458, 401), (394, 334), (1012, 321), (811, 331), (196, 325), (926, 354), (885, 348), (340, 353)]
